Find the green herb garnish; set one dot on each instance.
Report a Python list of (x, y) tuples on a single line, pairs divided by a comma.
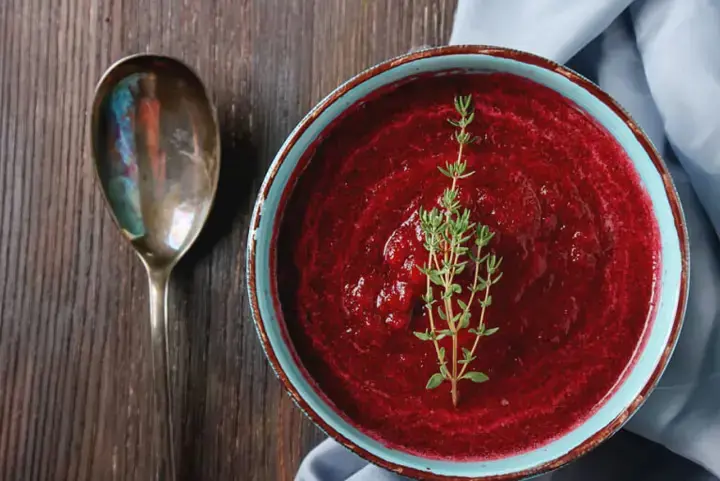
[(453, 244)]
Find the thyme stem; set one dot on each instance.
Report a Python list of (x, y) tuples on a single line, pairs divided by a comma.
[(447, 233)]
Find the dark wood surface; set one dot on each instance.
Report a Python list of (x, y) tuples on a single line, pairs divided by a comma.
[(74, 379)]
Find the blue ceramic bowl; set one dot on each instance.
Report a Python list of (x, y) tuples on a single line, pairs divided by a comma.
[(655, 179)]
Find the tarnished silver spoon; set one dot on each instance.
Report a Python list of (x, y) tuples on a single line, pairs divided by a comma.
[(156, 149)]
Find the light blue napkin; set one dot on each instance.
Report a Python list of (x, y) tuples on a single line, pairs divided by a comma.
[(661, 60)]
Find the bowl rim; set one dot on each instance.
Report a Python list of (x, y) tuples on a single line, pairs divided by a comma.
[(524, 57)]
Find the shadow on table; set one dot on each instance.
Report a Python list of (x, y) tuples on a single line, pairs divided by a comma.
[(194, 300)]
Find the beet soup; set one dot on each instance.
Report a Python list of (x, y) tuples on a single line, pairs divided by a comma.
[(572, 222)]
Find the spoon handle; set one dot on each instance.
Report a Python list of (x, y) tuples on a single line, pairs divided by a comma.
[(163, 428)]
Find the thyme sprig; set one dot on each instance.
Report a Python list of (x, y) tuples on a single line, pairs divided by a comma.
[(448, 233)]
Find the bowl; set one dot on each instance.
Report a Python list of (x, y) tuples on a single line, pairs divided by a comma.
[(653, 354)]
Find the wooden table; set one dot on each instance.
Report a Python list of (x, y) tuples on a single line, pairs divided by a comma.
[(74, 378)]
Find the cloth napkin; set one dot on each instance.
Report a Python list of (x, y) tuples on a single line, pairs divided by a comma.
[(661, 60)]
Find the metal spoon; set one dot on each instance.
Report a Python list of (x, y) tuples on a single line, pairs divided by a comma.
[(156, 149)]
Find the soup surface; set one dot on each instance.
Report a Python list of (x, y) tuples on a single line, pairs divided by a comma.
[(573, 224)]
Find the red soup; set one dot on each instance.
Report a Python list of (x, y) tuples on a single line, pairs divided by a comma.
[(573, 224)]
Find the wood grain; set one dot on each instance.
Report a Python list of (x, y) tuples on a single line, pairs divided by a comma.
[(74, 392)]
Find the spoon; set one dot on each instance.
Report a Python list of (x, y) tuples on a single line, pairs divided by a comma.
[(156, 150)]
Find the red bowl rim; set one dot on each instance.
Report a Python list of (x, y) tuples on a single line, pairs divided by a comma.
[(612, 427)]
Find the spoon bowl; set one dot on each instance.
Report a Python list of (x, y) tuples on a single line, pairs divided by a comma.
[(156, 149)]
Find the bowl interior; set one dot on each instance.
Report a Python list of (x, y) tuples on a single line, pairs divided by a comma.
[(663, 330)]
